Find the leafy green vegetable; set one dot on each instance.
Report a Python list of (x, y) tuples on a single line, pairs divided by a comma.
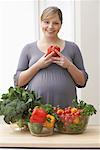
[(88, 109), (16, 103), (50, 110)]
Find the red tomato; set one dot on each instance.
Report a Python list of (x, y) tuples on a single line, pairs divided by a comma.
[(67, 111), (60, 111), (77, 113)]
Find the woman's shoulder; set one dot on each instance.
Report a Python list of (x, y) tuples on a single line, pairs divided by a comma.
[(72, 45), (31, 44)]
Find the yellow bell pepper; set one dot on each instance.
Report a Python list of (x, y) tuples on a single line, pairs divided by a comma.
[(50, 120), (76, 120)]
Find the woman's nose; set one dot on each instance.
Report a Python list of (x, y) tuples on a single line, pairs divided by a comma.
[(51, 25)]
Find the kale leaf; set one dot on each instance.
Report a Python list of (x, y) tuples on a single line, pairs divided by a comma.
[(88, 109)]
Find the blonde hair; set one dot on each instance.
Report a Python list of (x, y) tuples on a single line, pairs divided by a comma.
[(51, 11)]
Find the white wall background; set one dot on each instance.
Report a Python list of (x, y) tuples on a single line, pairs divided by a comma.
[(90, 46), (17, 30), (18, 26)]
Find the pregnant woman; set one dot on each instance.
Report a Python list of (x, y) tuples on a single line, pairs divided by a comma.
[(54, 77)]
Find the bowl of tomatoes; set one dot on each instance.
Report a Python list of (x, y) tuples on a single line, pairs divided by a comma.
[(74, 119)]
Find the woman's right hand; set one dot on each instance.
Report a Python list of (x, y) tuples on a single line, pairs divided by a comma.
[(45, 60)]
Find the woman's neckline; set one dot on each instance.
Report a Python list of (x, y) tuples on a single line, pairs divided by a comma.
[(44, 52)]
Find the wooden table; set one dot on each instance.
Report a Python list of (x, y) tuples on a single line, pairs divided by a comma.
[(10, 138)]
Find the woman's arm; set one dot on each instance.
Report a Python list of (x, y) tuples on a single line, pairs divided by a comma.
[(26, 75), (77, 75), (76, 69)]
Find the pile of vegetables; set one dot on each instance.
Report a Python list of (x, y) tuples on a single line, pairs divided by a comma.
[(16, 103), (42, 116), (25, 108), (74, 119)]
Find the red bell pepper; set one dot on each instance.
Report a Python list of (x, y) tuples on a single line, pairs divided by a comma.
[(38, 115), (53, 48)]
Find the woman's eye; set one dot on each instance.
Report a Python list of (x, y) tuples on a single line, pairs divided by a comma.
[(56, 23), (46, 22)]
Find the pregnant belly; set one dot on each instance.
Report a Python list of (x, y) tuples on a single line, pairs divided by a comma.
[(57, 89), (56, 84)]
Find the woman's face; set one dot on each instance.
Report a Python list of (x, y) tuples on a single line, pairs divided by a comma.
[(51, 26)]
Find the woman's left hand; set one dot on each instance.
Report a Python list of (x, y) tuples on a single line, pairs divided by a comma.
[(61, 60)]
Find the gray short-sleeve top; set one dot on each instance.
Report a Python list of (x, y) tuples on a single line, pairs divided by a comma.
[(53, 83)]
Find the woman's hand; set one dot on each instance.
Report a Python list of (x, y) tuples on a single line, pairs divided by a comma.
[(75, 73), (45, 61), (62, 60), (27, 75)]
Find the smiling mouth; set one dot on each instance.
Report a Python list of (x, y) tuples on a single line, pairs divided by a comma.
[(50, 31)]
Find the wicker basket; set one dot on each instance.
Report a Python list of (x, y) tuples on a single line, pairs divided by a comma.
[(37, 129)]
